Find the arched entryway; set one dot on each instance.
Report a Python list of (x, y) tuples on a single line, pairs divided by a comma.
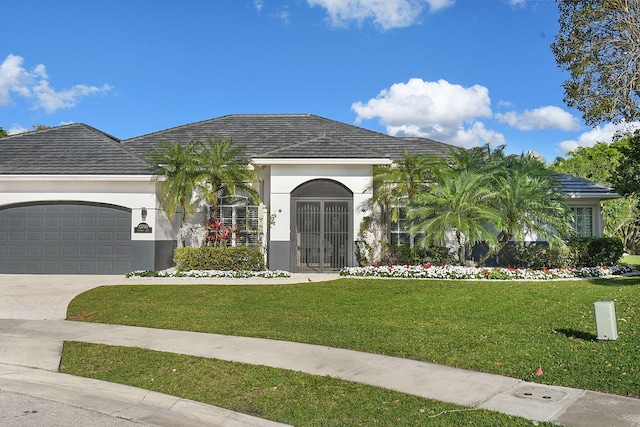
[(321, 226)]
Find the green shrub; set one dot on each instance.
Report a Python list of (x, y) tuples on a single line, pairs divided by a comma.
[(580, 252), (405, 254), (536, 257), (595, 251), (213, 258)]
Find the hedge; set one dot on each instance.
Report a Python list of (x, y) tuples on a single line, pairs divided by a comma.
[(215, 258)]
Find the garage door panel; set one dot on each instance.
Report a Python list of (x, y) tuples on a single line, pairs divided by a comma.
[(52, 222), (121, 222), (34, 250), (70, 222), (108, 236), (34, 222), (34, 236), (17, 222), (16, 250), (52, 236), (88, 236), (16, 236), (51, 250), (106, 250), (87, 251), (65, 238), (88, 222), (106, 222)]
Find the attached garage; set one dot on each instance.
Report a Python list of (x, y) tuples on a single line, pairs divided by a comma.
[(65, 238)]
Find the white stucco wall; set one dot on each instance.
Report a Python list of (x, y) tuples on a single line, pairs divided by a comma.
[(284, 178), (597, 219), (132, 192)]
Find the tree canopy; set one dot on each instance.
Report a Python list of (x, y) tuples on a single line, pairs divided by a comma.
[(201, 170), (613, 164), (598, 43), (598, 163), (484, 195), (175, 165), (626, 179)]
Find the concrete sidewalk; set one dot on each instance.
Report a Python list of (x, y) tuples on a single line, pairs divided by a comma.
[(30, 355)]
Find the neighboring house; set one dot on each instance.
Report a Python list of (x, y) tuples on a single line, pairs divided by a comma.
[(74, 199)]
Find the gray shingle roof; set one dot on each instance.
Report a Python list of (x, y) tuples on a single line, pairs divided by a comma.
[(81, 149), (266, 136), (68, 150), (580, 187)]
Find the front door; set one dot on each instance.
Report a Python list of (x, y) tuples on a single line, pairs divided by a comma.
[(322, 230)]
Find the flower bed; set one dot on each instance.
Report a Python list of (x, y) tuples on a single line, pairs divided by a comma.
[(459, 272), (172, 272)]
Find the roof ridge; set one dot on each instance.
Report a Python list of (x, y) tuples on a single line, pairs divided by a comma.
[(110, 139), (319, 138), (212, 119)]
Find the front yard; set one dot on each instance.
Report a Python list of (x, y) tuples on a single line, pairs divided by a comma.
[(503, 327)]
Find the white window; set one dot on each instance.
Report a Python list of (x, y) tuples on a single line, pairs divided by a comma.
[(242, 220), (400, 234), (583, 221)]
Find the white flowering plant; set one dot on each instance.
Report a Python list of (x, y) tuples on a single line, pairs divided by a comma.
[(429, 271), (229, 274)]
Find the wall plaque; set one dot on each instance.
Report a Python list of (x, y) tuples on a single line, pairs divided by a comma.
[(143, 227)]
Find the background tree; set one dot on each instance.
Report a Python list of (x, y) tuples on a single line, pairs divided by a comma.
[(626, 179), (3, 132), (39, 126), (598, 43), (597, 163), (608, 164)]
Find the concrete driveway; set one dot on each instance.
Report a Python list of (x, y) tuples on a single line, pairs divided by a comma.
[(45, 297)]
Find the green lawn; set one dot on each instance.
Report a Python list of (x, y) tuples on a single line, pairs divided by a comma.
[(508, 328), (276, 394), (631, 260)]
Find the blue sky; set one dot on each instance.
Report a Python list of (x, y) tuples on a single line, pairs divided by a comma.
[(464, 72)]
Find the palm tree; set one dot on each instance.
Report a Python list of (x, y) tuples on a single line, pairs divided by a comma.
[(175, 165), (222, 167), (393, 185), (458, 204), (529, 202)]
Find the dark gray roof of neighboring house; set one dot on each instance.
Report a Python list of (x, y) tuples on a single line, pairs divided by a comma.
[(584, 188), (68, 150), (269, 136)]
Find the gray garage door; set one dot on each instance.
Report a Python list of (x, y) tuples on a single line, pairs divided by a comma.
[(65, 238)]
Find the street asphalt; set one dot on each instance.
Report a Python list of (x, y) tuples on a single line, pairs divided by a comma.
[(33, 393)]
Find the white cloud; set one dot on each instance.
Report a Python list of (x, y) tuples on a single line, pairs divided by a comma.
[(438, 110), (548, 117), (259, 4), (14, 78), (16, 130), (34, 85), (517, 3), (386, 13), (597, 134)]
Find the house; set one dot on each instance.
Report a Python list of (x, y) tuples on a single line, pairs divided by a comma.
[(74, 199)]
